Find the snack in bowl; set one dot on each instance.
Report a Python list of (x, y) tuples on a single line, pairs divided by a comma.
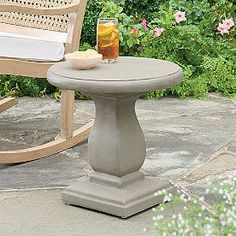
[(83, 60)]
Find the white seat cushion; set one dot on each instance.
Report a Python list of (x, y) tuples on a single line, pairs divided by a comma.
[(31, 44)]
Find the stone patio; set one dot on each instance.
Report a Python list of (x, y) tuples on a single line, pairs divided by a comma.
[(188, 141)]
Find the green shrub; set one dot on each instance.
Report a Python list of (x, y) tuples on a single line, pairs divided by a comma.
[(207, 57), (23, 86), (93, 10)]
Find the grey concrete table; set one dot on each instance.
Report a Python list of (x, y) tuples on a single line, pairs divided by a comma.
[(116, 145)]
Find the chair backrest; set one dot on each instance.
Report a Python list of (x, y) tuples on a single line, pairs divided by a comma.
[(70, 24), (52, 23)]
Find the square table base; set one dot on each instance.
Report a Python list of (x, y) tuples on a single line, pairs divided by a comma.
[(122, 197)]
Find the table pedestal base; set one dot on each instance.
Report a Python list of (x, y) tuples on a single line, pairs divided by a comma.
[(123, 197)]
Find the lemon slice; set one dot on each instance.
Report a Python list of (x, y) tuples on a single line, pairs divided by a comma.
[(106, 44), (106, 29), (108, 24)]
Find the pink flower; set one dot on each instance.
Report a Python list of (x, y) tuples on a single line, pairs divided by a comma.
[(222, 29), (134, 30), (144, 23), (180, 16), (158, 32), (228, 23)]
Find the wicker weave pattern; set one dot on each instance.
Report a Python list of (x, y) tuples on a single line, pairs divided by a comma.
[(54, 23)]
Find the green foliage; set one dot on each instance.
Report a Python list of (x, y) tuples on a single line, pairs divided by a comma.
[(93, 10), (197, 217), (219, 75), (142, 9), (208, 59), (23, 86)]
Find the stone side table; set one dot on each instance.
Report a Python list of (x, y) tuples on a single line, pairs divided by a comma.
[(116, 145)]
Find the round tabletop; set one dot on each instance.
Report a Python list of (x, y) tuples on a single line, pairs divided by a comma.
[(128, 75)]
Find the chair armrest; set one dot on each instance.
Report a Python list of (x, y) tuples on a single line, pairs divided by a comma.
[(61, 10)]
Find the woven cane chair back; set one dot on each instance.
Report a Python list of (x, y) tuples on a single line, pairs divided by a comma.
[(52, 23)]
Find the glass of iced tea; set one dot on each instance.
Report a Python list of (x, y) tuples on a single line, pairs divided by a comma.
[(108, 39)]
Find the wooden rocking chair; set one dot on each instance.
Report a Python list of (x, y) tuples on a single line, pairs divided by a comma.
[(54, 26)]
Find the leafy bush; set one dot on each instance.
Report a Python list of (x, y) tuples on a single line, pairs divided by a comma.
[(207, 57), (142, 9), (197, 217), (94, 8), (206, 52), (17, 86)]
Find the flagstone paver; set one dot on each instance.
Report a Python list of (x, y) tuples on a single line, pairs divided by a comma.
[(188, 141)]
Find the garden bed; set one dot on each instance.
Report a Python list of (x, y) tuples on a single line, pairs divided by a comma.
[(197, 35)]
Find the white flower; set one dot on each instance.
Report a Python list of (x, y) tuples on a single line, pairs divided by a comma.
[(159, 217), (211, 220), (221, 191), (155, 194), (201, 199), (186, 230), (208, 230), (230, 220), (166, 199), (164, 191), (222, 215), (161, 209), (223, 223), (234, 224), (180, 218)]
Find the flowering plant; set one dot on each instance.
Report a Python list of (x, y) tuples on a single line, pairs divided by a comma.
[(197, 217), (197, 35)]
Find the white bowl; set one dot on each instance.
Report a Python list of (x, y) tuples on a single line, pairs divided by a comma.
[(82, 63)]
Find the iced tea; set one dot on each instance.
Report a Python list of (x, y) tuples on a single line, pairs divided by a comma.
[(108, 39)]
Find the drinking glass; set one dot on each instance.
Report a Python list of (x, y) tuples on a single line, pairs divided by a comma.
[(108, 39)]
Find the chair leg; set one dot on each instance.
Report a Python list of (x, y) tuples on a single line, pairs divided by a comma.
[(7, 103), (67, 111)]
